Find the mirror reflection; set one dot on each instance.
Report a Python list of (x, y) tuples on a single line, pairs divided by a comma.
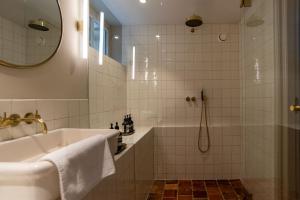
[(31, 34)]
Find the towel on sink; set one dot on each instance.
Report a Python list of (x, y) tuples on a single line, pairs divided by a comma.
[(81, 166)]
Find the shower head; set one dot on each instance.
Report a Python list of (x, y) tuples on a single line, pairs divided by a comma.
[(40, 25), (194, 21), (254, 21)]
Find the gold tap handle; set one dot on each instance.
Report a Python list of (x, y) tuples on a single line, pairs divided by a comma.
[(2, 118), (295, 108), (3, 121), (37, 115)]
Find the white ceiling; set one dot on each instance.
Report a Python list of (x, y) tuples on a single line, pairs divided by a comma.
[(132, 12)]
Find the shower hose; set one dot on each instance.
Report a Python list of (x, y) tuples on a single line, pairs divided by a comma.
[(203, 108)]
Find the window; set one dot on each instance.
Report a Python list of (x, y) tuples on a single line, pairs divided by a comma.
[(94, 36)]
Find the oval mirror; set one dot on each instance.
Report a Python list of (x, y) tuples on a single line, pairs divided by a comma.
[(30, 32)]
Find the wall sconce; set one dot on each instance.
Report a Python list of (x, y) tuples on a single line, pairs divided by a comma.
[(133, 63), (83, 26), (101, 38)]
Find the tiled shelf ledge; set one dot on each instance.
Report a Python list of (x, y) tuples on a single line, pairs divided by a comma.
[(140, 132), (134, 170), (131, 140)]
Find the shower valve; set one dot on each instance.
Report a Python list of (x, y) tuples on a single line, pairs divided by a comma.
[(188, 99)]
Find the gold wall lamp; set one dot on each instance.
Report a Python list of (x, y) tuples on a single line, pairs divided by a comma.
[(79, 25)]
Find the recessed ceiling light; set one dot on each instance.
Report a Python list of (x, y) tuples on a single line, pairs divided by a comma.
[(143, 1), (116, 37)]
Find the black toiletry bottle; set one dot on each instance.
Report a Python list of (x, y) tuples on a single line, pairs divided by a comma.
[(124, 124), (117, 126), (111, 126)]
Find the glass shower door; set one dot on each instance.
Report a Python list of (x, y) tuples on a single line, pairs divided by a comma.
[(291, 100), (260, 173)]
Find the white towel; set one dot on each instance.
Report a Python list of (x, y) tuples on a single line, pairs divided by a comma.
[(81, 166)]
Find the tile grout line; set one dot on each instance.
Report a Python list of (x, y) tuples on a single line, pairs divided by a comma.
[(218, 185), (220, 189), (206, 190), (234, 190)]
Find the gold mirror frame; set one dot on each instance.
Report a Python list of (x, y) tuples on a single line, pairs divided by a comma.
[(10, 65)]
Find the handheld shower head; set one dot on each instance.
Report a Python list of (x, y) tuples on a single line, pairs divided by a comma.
[(203, 114), (203, 97)]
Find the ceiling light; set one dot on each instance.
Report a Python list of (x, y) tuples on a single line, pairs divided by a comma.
[(133, 64), (157, 36), (85, 34), (101, 38), (143, 1), (116, 37)]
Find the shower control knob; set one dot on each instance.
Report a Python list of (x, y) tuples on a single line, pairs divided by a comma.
[(188, 99)]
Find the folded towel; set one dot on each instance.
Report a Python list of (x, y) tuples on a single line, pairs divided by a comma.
[(81, 166)]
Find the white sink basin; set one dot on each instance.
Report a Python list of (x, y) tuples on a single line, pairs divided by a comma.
[(22, 176)]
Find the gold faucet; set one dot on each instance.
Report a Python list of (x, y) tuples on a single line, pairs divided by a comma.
[(29, 118), (4, 121), (15, 119)]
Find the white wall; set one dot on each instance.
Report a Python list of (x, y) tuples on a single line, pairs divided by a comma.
[(180, 64), (12, 41), (41, 44), (107, 91), (57, 113), (177, 156), (58, 88), (63, 77)]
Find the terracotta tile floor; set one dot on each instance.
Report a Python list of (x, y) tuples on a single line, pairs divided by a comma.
[(198, 190)]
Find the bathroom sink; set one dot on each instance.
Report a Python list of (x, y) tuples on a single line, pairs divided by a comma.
[(21, 172)]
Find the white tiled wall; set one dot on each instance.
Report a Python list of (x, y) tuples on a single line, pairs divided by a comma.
[(177, 155), (179, 64), (259, 101), (120, 186), (12, 42), (144, 165), (57, 113), (134, 173), (41, 44), (107, 91), (20, 45)]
